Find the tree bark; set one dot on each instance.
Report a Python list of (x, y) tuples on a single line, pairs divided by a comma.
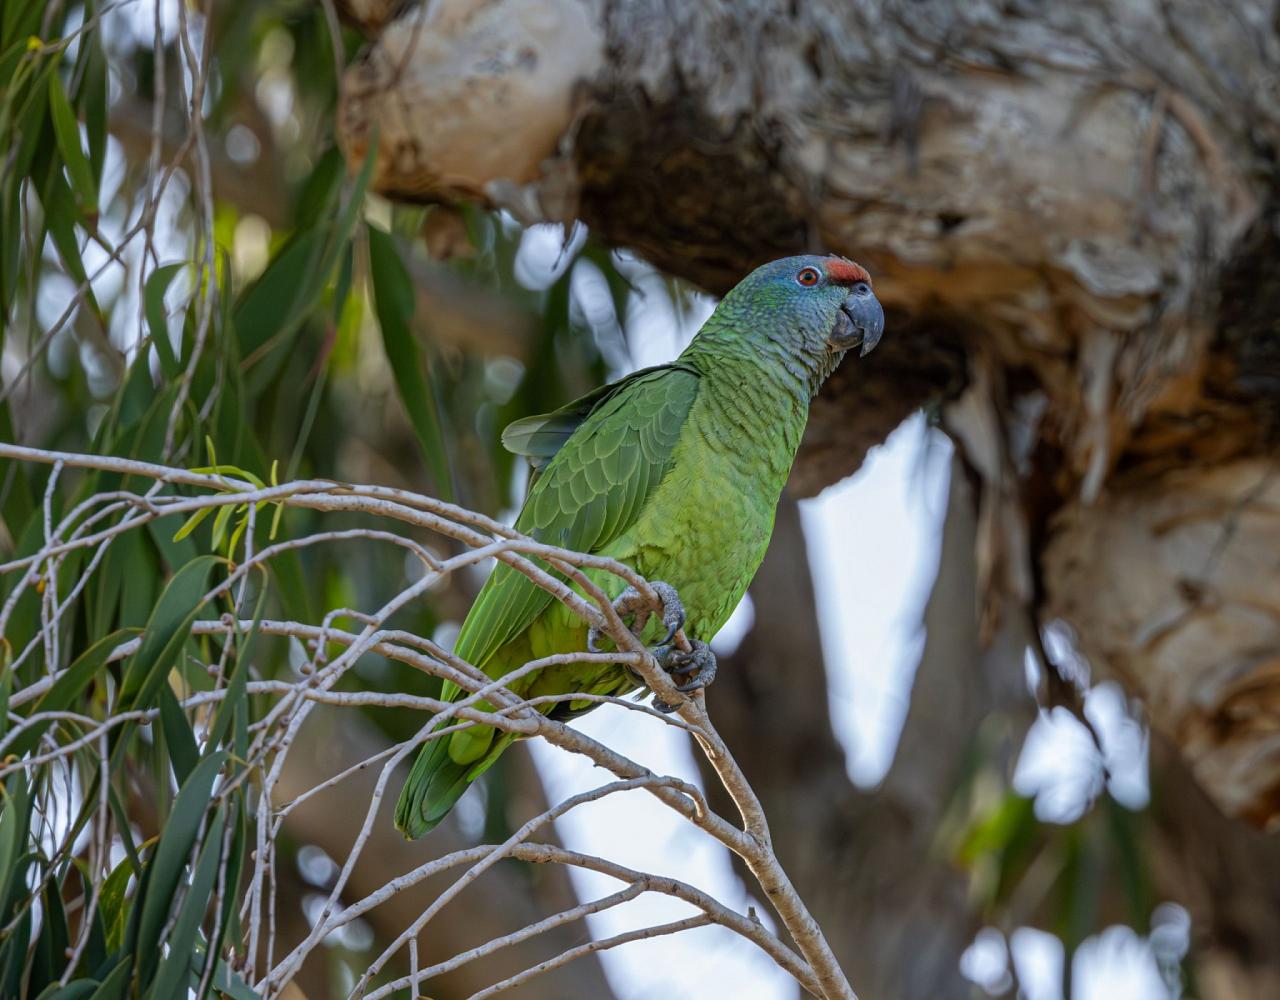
[(1225, 873), (1072, 206)]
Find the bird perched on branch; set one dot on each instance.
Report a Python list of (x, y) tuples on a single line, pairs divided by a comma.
[(675, 471)]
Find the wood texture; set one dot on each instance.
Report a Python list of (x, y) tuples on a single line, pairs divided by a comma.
[(1071, 208)]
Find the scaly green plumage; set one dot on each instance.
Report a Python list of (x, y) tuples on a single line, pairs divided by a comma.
[(676, 471)]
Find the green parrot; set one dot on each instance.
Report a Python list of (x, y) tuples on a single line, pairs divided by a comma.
[(674, 470)]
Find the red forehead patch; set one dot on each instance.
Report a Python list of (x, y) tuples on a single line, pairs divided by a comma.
[(845, 271)]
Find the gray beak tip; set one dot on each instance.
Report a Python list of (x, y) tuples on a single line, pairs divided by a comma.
[(863, 319)]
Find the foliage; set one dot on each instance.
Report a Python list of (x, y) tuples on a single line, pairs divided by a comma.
[(151, 318)]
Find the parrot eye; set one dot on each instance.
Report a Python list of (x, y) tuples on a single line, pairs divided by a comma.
[(862, 289), (808, 277)]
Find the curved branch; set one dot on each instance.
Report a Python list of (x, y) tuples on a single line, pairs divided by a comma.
[(487, 701)]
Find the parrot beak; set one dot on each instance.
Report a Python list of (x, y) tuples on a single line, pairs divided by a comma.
[(859, 322)]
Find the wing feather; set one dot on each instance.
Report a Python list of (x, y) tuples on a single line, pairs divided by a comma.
[(591, 489)]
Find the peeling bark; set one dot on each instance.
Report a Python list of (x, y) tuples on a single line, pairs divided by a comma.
[(1071, 205), (463, 93), (1186, 570)]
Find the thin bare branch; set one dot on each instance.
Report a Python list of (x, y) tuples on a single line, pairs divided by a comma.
[(585, 584)]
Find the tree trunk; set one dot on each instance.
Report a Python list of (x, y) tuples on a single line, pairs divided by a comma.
[(1227, 875), (1072, 206)]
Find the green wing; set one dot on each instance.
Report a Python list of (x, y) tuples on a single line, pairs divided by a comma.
[(602, 457), (540, 438)]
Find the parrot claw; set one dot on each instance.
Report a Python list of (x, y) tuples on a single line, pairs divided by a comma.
[(699, 661), (632, 602)]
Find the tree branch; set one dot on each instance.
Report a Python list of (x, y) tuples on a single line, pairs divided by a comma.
[(94, 523)]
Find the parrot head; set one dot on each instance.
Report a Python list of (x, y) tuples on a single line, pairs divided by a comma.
[(825, 303)]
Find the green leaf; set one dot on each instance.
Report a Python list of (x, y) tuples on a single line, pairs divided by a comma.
[(230, 983), (19, 20), (276, 303), (346, 220), (52, 941), (993, 832), (14, 805), (192, 523), (67, 131), (103, 596), (60, 218), (177, 734), (394, 304), (170, 860), (174, 973), (69, 687), (37, 143), (13, 956), (115, 985), (112, 903), (166, 631), (321, 190), (220, 523), (223, 469), (94, 97), (292, 285), (136, 395), (79, 990), (157, 284), (142, 564)]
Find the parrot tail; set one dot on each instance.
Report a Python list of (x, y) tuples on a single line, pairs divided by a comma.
[(436, 783)]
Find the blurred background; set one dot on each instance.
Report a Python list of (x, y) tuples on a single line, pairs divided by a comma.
[(1007, 680)]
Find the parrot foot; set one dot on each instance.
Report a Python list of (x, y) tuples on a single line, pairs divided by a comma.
[(632, 602), (699, 663)]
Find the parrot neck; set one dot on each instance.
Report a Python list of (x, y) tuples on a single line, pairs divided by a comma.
[(758, 392), (775, 364)]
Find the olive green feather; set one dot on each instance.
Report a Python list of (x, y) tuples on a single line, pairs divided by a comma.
[(674, 470), (603, 456)]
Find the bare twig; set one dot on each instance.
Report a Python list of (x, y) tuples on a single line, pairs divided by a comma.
[(520, 978), (585, 584)]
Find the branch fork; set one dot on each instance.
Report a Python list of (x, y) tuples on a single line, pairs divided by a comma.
[(93, 525)]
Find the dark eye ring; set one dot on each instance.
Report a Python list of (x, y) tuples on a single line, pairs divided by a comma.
[(808, 277), (862, 289)]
